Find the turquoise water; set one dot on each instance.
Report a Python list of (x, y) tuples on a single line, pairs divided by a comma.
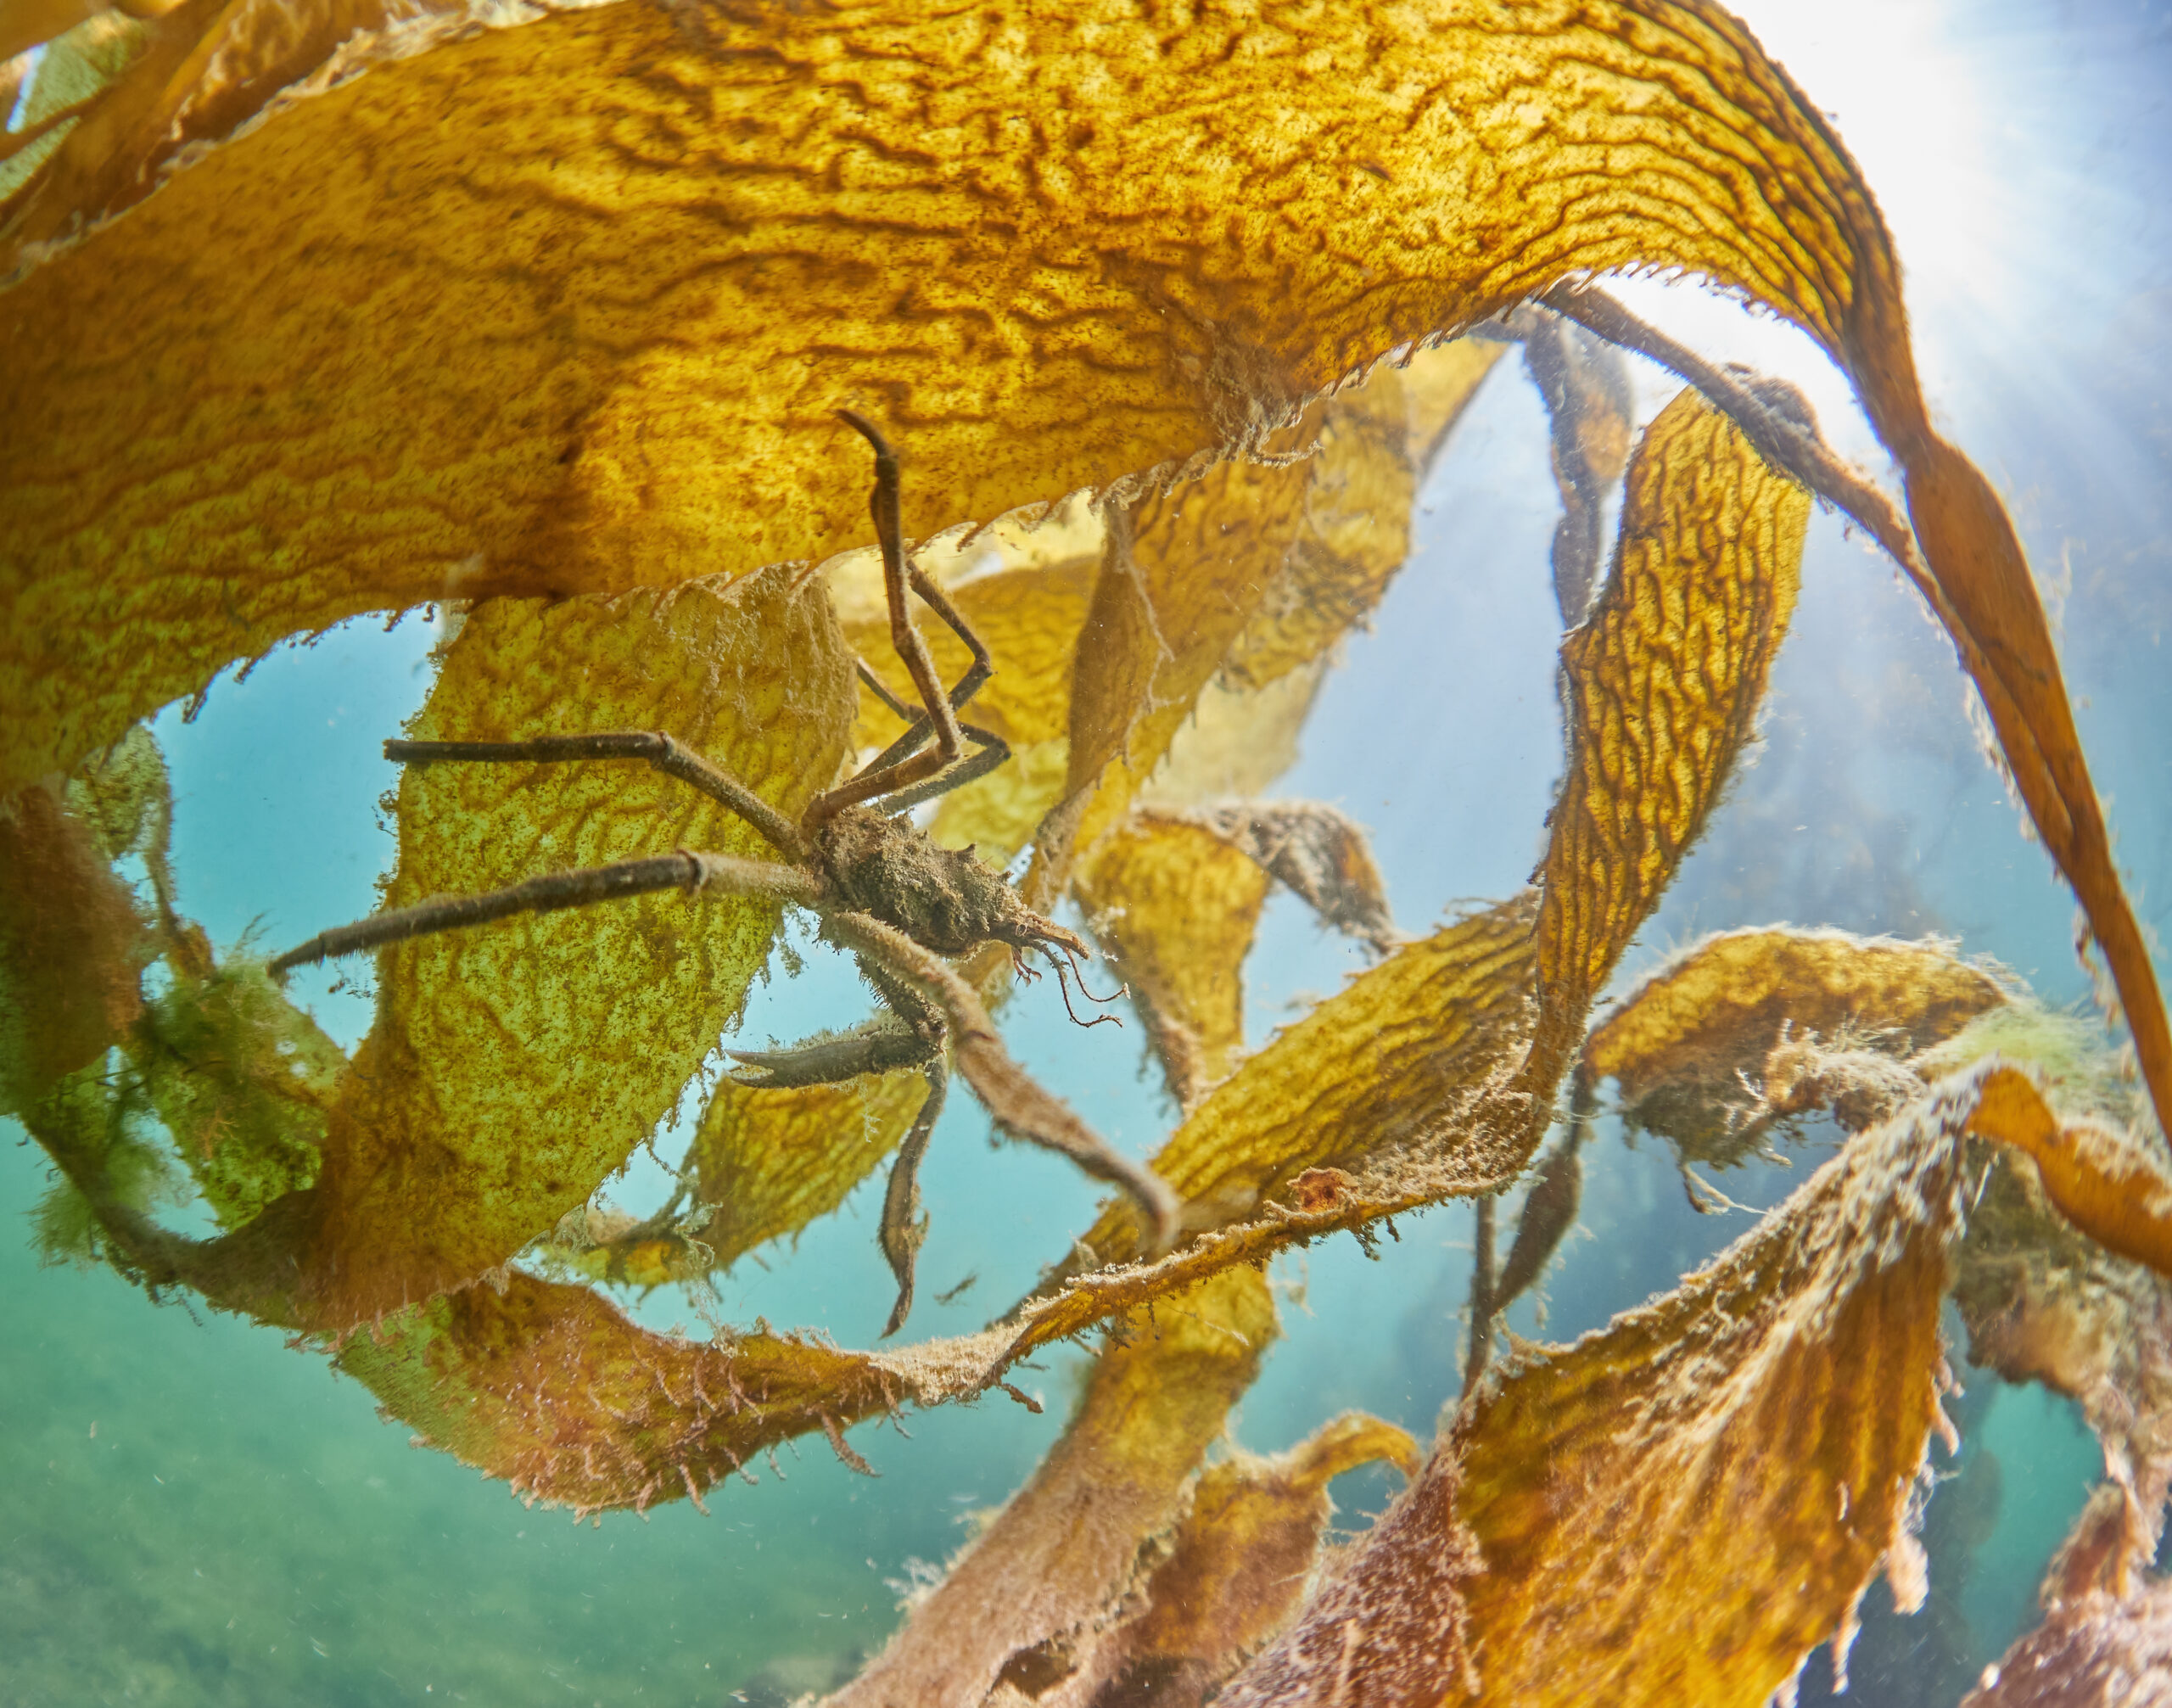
[(192, 1513)]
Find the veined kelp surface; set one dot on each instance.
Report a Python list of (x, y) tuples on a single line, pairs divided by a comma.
[(1111, 282)]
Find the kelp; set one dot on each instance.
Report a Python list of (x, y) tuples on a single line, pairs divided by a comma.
[(1200, 332), (352, 359), (1019, 1601), (1610, 1520), (1174, 906), (511, 1070)]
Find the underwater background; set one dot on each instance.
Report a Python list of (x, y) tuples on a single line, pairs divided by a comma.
[(191, 1512)]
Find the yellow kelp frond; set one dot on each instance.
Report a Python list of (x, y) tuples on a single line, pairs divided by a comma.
[(1320, 855), (2102, 1182), (549, 1387), (1608, 1522), (1396, 1055), (72, 948), (480, 320), (1174, 907), (1363, 480), (1239, 1565), (1179, 265), (126, 797), (1028, 619), (171, 77), (1664, 682), (244, 1082), (2043, 1302), (1589, 406), (769, 1161), (2093, 1649), (1182, 572), (1685, 1044), (1024, 1598), (513, 1066)]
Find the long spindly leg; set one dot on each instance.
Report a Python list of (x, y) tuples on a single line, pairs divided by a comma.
[(672, 758), (918, 726), (879, 1046), (993, 749), (1017, 1102), (904, 1226), (949, 741), (686, 869)]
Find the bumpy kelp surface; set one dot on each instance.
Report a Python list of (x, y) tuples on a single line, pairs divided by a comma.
[(512, 1069), (546, 315), (240, 432)]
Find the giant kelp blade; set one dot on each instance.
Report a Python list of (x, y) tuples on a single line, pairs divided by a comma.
[(769, 1161), (182, 77), (1174, 907), (72, 948), (2044, 1302), (1236, 1570), (1037, 1582), (362, 357), (551, 1388), (1362, 479), (1687, 1045), (513, 1066), (2105, 1182), (2101, 1652), (1248, 574), (1988, 600), (1181, 574), (1404, 1049), (1663, 684), (245, 1082), (353, 359), (1677, 1508)]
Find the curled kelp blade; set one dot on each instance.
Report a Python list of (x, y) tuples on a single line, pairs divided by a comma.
[(549, 1387), (1589, 407), (72, 947), (1173, 907), (1603, 1521), (1663, 683), (1251, 573), (1689, 1047), (579, 435), (768, 1162), (1236, 1570), (2093, 1654), (1320, 855), (1029, 1592), (514, 1065), (1460, 1039), (1374, 445), (134, 86), (595, 432), (1404, 1049)]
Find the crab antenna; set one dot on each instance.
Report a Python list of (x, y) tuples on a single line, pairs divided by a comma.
[(1098, 1020), (1078, 973)]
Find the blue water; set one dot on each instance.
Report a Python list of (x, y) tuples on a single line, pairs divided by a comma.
[(192, 1513)]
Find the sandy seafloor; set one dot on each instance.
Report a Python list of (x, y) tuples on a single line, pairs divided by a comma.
[(192, 1513)]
